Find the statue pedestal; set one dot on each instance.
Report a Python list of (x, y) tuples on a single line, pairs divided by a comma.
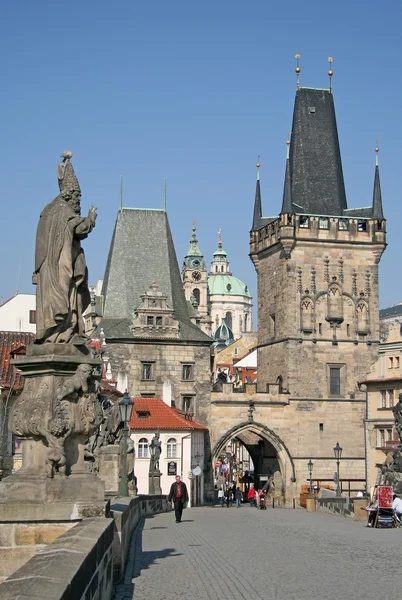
[(55, 414), (109, 472), (154, 485)]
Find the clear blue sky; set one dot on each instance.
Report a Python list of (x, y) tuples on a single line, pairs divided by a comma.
[(190, 91)]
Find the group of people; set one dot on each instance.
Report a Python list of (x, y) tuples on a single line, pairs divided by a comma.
[(228, 495), (256, 497)]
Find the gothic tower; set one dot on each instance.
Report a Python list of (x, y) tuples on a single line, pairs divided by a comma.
[(317, 266)]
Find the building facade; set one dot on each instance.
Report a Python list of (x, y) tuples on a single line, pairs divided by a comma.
[(182, 447), (19, 313)]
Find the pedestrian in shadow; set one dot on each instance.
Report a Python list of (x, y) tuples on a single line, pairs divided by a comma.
[(178, 496)]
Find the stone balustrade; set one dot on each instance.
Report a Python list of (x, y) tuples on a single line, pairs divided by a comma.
[(85, 562)]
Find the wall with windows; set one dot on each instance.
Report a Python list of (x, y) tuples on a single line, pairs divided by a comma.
[(146, 366), (182, 451), (19, 313)]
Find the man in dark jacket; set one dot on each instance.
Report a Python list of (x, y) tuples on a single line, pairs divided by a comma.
[(178, 496)]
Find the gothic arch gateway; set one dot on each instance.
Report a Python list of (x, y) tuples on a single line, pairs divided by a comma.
[(269, 442)]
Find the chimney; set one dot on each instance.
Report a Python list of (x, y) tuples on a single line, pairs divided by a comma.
[(167, 392)]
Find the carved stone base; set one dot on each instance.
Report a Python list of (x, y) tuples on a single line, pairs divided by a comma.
[(109, 459), (154, 485)]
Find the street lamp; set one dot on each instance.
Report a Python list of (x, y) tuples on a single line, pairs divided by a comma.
[(338, 454), (151, 486), (125, 411), (310, 470)]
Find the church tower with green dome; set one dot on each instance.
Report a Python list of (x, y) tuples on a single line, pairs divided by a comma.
[(194, 274), (229, 298)]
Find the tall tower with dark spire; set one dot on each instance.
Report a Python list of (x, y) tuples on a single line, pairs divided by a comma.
[(317, 266), (195, 283)]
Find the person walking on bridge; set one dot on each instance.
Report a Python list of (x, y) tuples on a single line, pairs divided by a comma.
[(178, 496)]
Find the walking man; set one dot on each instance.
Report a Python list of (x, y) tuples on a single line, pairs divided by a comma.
[(238, 497), (178, 496)]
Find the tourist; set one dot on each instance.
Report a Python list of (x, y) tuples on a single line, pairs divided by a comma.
[(238, 497), (178, 496), (221, 496), (251, 495), (397, 506), (228, 496)]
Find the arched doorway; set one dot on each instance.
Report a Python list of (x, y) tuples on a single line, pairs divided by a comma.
[(268, 455)]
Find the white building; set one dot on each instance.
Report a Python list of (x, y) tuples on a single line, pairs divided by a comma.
[(19, 313), (182, 442)]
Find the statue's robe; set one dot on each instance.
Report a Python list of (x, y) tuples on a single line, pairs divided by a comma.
[(61, 276)]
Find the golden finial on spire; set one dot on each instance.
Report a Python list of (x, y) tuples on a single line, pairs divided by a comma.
[(258, 164), (377, 149), (194, 223), (220, 237), (288, 144), (297, 69), (330, 72)]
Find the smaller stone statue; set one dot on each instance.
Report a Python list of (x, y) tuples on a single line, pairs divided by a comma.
[(155, 455), (397, 410)]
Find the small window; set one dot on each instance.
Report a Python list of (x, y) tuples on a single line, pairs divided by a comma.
[(361, 225), (321, 426), (390, 362), (187, 403), (197, 295), (150, 320), (32, 317), (236, 351), (143, 414), (273, 326), (348, 330), (171, 448), (383, 436), (320, 328), (143, 448), (335, 381), (147, 370), (311, 110), (324, 223), (342, 225), (187, 373), (396, 362), (304, 222), (158, 321), (222, 269)]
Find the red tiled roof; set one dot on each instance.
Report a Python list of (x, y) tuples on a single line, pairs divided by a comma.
[(108, 389), (382, 380), (161, 416), (10, 341)]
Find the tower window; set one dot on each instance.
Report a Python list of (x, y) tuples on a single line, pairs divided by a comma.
[(150, 320), (324, 223), (187, 372), (320, 328), (187, 403), (335, 381), (273, 326), (362, 226), (147, 371), (342, 225), (321, 426), (348, 330), (229, 320), (303, 222), (32, 316), (311, 110), (196, 294)]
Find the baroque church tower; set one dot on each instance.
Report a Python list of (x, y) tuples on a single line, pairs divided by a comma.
[(195, 283), (317, 266)]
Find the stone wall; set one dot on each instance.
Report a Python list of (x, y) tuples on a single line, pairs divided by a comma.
[(336, 506), (85, 562)]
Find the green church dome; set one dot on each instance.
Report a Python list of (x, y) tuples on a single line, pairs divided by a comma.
[(227, 284)]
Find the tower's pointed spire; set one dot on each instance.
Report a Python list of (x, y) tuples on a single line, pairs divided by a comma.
[(257, 203), (194, 249), (287, 205), (377, 200)]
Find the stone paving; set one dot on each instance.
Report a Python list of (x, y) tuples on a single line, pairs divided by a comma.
[(278, 554)]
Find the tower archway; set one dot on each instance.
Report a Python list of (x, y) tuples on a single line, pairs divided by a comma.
[(267, 451)]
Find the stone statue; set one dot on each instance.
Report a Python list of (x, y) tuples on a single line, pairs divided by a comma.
[(155, 456), (62, 293), (397, 410)]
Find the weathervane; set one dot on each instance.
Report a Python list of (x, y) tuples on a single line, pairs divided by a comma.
[(330, 72), (258, 167), (297, 69), (377, 149)]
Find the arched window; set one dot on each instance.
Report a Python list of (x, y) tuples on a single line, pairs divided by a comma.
[(143, 448), (196, 294), (172, 448), (229, 319), (245, 322)]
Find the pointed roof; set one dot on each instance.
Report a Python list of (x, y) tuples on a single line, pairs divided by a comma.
[(315, 165), (377, 200), (194, 250), (287, 205), (257, 203), (141, 252)]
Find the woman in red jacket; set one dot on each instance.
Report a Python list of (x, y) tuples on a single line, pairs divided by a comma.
[(251, 495)]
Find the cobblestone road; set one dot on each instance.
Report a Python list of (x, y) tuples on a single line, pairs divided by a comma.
[(282, 554)]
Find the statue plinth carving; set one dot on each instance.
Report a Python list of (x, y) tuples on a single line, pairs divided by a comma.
[(58, 409)]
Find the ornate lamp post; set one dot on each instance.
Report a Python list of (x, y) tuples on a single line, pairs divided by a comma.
[(151, 482), (125, 411), (310, 470), (338, 454)]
